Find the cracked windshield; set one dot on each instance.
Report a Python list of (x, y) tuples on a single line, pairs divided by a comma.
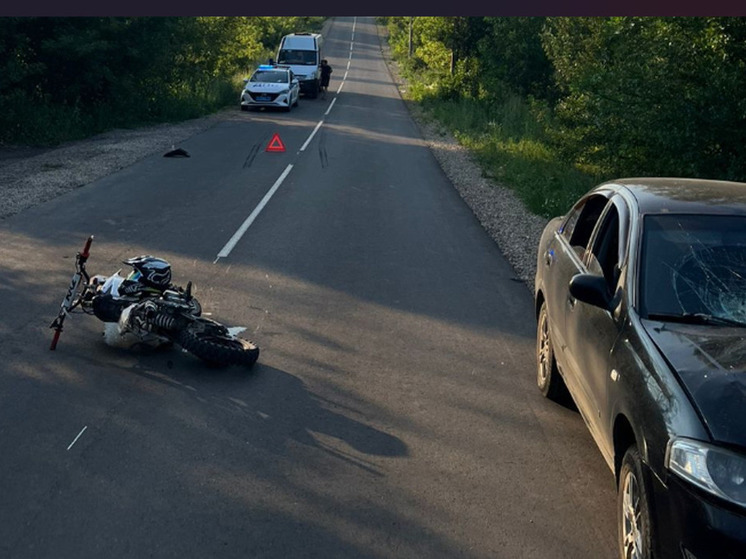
[(694, 265)]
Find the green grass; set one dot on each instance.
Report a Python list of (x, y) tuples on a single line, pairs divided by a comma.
[(38, 124), (547, 187), (510, 143)]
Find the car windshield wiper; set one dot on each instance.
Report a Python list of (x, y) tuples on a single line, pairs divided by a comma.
[(697, 318)]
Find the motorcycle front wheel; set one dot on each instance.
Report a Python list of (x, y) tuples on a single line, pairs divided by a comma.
[(211, 342)]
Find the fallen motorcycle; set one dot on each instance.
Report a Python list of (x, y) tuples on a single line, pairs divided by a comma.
[(145, 308)]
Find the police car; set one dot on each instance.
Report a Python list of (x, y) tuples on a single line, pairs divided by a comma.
[(270, 86)]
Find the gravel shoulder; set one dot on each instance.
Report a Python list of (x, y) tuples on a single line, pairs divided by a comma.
[(30, 176)]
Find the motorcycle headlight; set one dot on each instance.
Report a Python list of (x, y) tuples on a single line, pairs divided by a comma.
[(716, 470)]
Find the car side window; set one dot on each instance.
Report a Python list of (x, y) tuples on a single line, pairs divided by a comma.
[(580, 222), (568, 226), (604, 257)]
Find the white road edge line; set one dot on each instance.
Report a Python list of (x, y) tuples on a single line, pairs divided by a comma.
[(308, 141), (340, 87), (348, 64), (249, 220), (76, 438), (354, 23), (345, 76), (330, 106)]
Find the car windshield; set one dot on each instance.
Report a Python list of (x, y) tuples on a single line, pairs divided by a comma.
[(693, 266), (296, 57), (270, 76)]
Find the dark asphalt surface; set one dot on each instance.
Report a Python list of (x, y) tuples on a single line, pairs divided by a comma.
[(393, 411)]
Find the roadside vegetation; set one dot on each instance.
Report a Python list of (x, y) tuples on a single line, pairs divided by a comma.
[(552, 106), (64, 78)]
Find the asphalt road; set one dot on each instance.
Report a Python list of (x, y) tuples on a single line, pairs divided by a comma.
[(393, 411)]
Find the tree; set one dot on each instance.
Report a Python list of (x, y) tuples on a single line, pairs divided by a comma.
[(511, 54), (651, 95)]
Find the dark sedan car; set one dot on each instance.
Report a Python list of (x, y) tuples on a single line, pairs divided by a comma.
[(641, 317)]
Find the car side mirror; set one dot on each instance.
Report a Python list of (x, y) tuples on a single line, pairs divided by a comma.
[(591, 289)]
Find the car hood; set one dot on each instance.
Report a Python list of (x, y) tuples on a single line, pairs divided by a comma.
[(710, 361)]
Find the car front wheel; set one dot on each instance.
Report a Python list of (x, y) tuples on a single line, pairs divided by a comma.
[(548, 378), (633, 509)]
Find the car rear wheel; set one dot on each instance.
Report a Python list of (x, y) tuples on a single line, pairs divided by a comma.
[(548, 378), (633, 509)]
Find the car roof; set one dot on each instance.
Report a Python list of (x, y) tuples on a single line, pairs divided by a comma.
[(683, 195)]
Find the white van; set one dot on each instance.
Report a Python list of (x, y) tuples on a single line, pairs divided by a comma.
[(301, 52)]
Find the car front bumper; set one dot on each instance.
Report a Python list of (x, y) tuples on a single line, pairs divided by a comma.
[(281, 100), (689, 524), (308, 86)]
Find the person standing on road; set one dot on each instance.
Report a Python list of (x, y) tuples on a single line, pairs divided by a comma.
[(326, 72)]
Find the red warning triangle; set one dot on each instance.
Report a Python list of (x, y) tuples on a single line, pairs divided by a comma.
[(275, 144)]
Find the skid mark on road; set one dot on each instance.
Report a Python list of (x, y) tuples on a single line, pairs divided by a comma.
[(322, 150), (252, 154)]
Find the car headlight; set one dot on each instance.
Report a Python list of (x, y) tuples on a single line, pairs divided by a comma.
[(716, 470), (284, 91)]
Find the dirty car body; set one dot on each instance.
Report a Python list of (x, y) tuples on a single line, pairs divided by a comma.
[(641, 304)]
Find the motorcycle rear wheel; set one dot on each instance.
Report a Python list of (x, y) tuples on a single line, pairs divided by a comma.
[(210, 341)]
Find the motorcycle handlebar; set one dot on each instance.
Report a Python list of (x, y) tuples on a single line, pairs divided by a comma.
[(82, 257), (87, 247)]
